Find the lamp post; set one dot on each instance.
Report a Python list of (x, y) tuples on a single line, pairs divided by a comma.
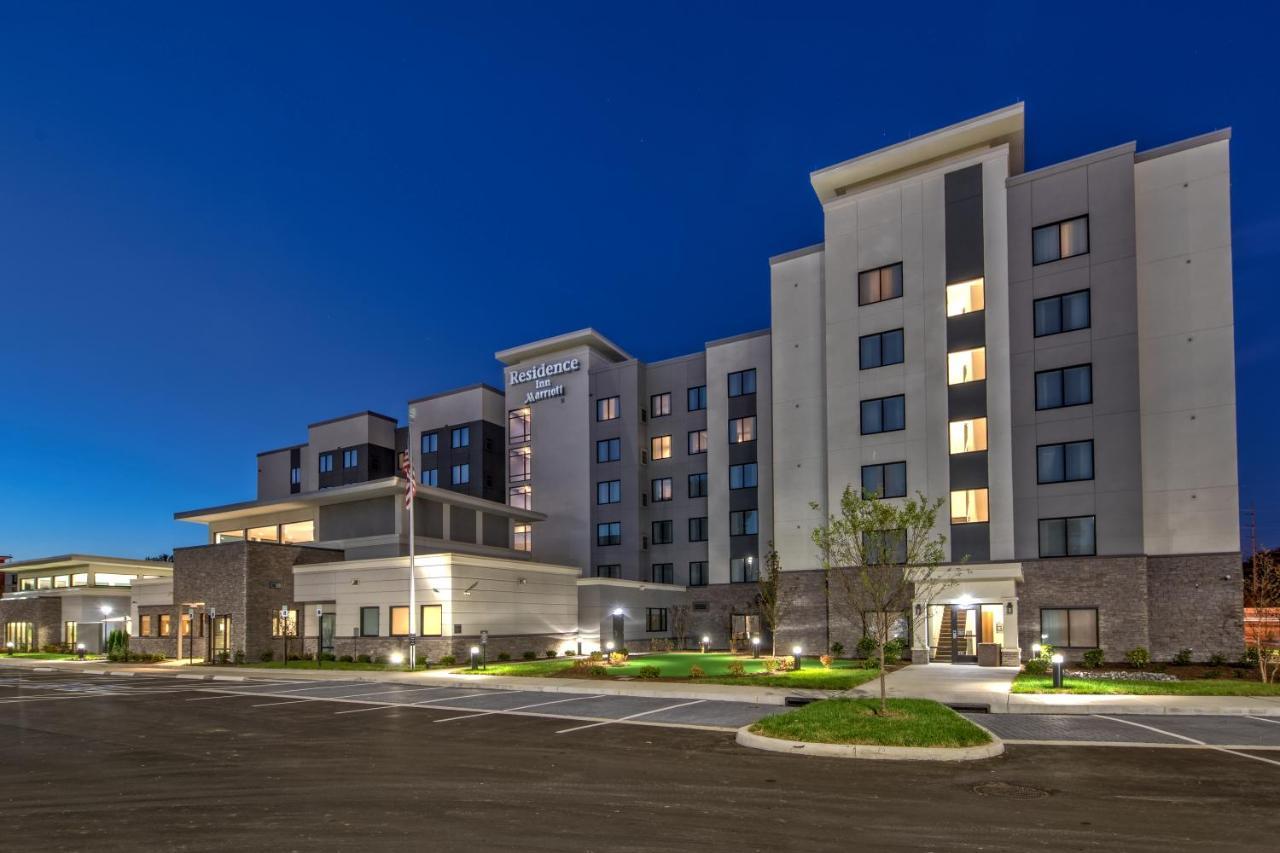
[(9, 647), (755, 646), (319, 636), (795, 653), (475, 657), (1057, 670), (706, 641), (80, 651)]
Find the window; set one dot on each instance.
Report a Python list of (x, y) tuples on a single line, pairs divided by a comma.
[(430, 443), (518, 426), (279, 627), (969, 506), (80, 579), (1068, 537), (655, 619), (609, 492), (350, 458), (662, 573), (110, 579), (44, 583), (880, 284), (326, 463), (522, 537), (697, 398), (660, 490), (1060, 240), (742, 430), (611, 570), (663, 532), (144, 625), (968, 436), (880, 349), (1071, 628), (460, 437), (698, 529), (519, 465), (399, 620), (295, 532), (520, 497), (697, 442), (61, 581), (1067, 386), (884, 547), (660, 447), (966, 297), (743, 476), (660, 405), (743, 570), (609, 450), (698, 485), (886, 414), (744, 522), (698, 573), (166, 623), (1065, 313), (885, 481), (609, 533), (270, 533), (607, 409), (461, 474), (430, 621), (368, 621), (742, 382), (1064, 463), (295, 476), (69, 633), (966, 366), (431, 477)]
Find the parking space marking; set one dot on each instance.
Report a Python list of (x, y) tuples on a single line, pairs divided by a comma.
[(520, 708), (630, 717), (285, 702), (1190, 739), (385, 706), (1266, 720), (223, 696), (383, 692)]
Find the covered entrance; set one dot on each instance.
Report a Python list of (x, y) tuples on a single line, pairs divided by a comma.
[(971, 617), (956, 630)]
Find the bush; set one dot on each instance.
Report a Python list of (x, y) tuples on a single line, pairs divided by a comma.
[(867, 646), (223, 657), (329, 656), (295, 657), (649, 671), (117, 644), (736, 668), (1216, 660), (618, 658), (364, 659), (1138, 657), (696, 672), (624, 651), (503, 656), (1182, 657), (597, 671), (267, 656), (661, 644), (825, 660), (239, 657), (379, 659), (1092, 659), (1250, 656), (893, 649), (837, 649), (1036, 666), (347, 659), (596, 656), (551, 653), (871, 663), (448, 660)]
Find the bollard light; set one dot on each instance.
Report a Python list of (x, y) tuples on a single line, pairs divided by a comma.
[(397, 658), (755, 646), (795, 652), (706, 641), (1035, 650), (1057, 670), (475, 657), (9, 646)]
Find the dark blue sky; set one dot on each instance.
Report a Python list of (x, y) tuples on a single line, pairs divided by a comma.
[(218, 226)]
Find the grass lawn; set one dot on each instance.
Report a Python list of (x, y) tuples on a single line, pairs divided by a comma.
[(911, 722), (675, 666), (1192, 687), (329, 664), (49, 656)]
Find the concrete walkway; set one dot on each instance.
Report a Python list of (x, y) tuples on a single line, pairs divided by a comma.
[(981, 686)]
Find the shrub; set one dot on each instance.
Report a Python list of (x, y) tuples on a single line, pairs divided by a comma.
[(837, 649), (772, 664), (364, 658), (329, 656), (867, 646), (696, 672), (871, 663), (1138, 657), (551, 653), (448, 660), (1250, 657), (239, 657), (597, 671), (624, 651), (661, 644), (1036, 666), (1092, 659), (379, 659), (825, 660), (893, 649), (1182, 657), (224, 657), (618, 658), (117, 644), (267, 656), (596, 656), (347, 659), (295, 657), (736, 668), (530, 655), (649, 671), (503, 656), (1216, 660)]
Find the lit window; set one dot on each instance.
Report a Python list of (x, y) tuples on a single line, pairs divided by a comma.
[(460, 437), (966, 297), (279, 628), (46, 583), (880, 284), (969, 436), (350, 458), (144, 625), (111, 579), (660, 405), (69, 633), (518, 425), (522, 537), (742, 430), (969, 506), (519, 465), (1060, 240), (431, 621), (461, 474), (660, 447), (660, 490), (697, 441), (166, 624), (399, 621), (326, 463), (61, 581), (80, 579), (295, 476), (521, 497), (430, 444), (966, 366), (270, 533), (298, 531), (607, 409)]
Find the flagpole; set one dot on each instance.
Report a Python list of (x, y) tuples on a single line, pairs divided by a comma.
[(410, 495)]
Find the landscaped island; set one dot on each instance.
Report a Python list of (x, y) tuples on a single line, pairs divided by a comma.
[(908, 723)]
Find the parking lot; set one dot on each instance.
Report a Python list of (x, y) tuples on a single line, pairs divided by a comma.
[(207, 765)]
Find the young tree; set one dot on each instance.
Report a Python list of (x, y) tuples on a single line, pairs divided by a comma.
[(680, 624), (1262, 596), (772, 597), (880, 556)]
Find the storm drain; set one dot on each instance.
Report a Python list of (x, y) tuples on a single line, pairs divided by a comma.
[(1009, 792), (797, 701)]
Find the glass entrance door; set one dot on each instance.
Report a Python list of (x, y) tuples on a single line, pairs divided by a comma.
[(964, 633), (327, 622), (222, 635)]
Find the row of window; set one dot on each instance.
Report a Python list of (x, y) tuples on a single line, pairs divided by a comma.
[(458, 437), (744, 522), (430, 621), (740, 383), (741, 570), (741, 431), (1064, 462)]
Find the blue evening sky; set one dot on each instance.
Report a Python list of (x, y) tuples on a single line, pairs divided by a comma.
[(221, 222)]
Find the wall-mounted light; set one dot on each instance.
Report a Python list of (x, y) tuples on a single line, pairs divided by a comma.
[(1008, 608)]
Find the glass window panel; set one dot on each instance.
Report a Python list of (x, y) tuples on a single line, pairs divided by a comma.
[(432, 622), (298, 531), (872, 421), (969, 506), (895, 413), (966, 366), (1053, 627), (868, 287), (698, 485), (697, 398), (61, 581), (1048, 316), (229, 536), (521, 497), (399, 621), (522, 537), (1050, 463), (891, 349), (1044, 244), (1082, 625), (1049, 390), (966, 297), (1053, 537), (270, 533), (1080, 535), (895, 480), (517, 426), (1077, 385), (891, 282), (869, 352), (660, 447), (1078, 461), (80, 579), (969, 435), (1075, 311), (873, 480), (1075, 237)]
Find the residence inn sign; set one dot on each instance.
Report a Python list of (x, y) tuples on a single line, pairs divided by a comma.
[(543, 387)]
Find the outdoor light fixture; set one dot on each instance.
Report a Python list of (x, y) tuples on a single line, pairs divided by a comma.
[(397, 658), (475, 657), (609, 645), (706, 641), (795, 652), (9, 646), (1057, 670), (80, 650), (755, 646), (617, 611), (1035, 650), (106, 609), (965, 600)]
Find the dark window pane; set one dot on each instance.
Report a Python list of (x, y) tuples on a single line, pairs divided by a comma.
[(1044, 244), (1080, 535), (1049, 463), (1049, 390), (873, 480), (1048, 316), (1082, 625), (869, 352), (895, 480), (895, 413), (891, 282), (891, 347), (1075, 311), (1053, 627), (1053, 537), (1078, 462), (1077, 385), (871, 417)]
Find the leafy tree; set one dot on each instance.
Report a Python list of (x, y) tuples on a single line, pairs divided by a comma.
[(1262, 596), (880, 556), (771, 596), (680, 624)]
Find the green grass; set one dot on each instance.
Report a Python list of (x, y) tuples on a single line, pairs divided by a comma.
[(47, 656), (843, 674), (911, 722), (1192, 687), (329, 664)]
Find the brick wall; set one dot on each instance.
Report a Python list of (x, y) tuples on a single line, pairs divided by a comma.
[(45, 614), (1117, 586), (1196, 603)]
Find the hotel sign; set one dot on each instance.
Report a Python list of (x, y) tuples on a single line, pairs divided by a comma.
[(542, 376)]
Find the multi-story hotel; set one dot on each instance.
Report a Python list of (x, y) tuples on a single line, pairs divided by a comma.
[(1048, 352)]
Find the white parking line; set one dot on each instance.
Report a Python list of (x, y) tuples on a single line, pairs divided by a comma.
[(1189, 739), (1266, 720), (631, 716), (414, 704), (285, 702), (1130, 745), (222, 696), (520, 708), (384, 692)]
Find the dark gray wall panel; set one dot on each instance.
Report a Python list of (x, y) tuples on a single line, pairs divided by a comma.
[(969, 470), (968, 400), (971, 542), (967, 331)]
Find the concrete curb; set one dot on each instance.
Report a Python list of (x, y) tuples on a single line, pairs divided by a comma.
[(747, 738)]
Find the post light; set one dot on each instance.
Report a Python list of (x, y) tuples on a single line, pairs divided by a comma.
[(706, 641), (795, 652), (106, 609), (475, 657), (9, 646), (609, 646), (319, 636), (1035, 650), (755, 646), (80, 650), (1057, 670), (397, 658), (617, 611)]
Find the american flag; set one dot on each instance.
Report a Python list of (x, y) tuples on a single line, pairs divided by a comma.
[(411, 488)]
